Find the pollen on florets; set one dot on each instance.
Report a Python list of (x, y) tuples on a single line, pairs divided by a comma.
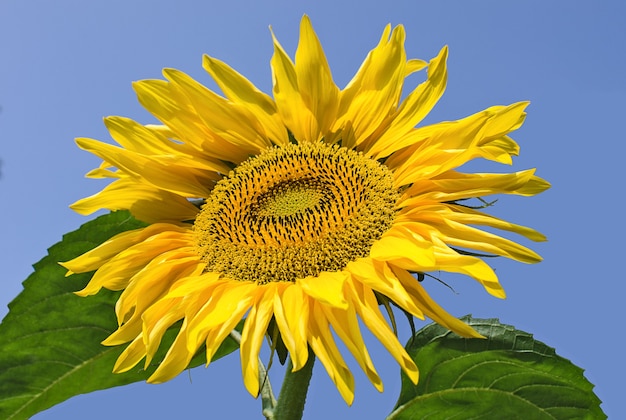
[(295, 211)]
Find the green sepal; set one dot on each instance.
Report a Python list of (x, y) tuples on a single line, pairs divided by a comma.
[(276, 341)]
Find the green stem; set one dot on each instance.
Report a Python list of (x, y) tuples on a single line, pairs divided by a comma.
[(292, 397)]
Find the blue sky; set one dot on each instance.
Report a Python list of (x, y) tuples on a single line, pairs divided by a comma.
[(66, 64)]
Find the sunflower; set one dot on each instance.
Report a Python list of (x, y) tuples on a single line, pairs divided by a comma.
[(303, 211)]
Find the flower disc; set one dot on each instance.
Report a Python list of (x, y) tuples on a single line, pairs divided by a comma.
[(295, 211)]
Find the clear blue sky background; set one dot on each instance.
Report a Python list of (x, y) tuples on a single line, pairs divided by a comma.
[(66, 64)]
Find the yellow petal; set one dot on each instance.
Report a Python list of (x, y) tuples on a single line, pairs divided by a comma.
[(130, 356), (379, 277), (445, 146), (145, 202), (172, 177), (116, 273), (414, 108), (125, 333), (430, 307), (137, 137), (157, 319), (252, 335), (504, 120), (238, 89), (374, 92), (451, 227), (454, 186), (500, 150), (93, 259), (291, 105), (216, 337), (166, 102), (191, 286), (291, 311), (227, 301), (346, 326), (453, 262), (470, 216), (459, 235), (155, 279), (367, 308), (404, 249), (326, 287), (228, 120), (315, 81), (414, 65), (323, 345), (155, 141), (103, 172), (176, 359)]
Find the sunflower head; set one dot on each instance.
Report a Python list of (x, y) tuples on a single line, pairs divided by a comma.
[(299, 209), (295, 211)]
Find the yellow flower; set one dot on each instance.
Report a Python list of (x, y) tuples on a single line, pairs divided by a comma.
[(306, 209)]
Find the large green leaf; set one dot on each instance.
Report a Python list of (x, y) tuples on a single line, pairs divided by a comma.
[(510, 375), (50, 340)]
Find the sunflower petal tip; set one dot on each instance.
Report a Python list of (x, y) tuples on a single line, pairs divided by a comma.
[(109, 341), (348, 398), (499, 293), (82, 293)]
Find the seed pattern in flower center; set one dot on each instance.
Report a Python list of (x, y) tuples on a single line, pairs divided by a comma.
[(295, 211), (289, 198)]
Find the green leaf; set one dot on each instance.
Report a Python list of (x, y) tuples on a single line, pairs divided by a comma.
[(50, 340), (509, 375)]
